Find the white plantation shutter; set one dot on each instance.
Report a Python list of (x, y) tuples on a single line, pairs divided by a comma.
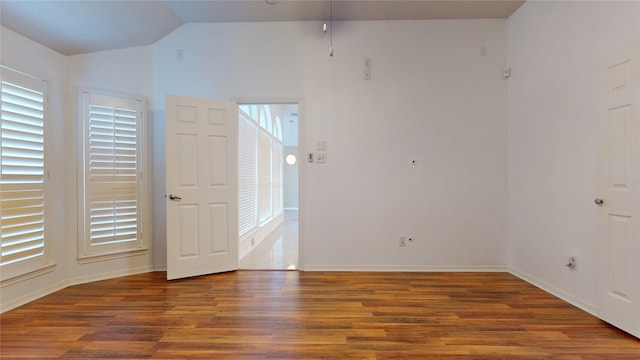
[(265, 207), (112, 184), (276, 171), (22, 180), (248, 175)]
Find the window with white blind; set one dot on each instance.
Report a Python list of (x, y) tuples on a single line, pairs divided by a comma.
[(23, 242), (112, 170), (265, 206), (276, 177), (248, 174), (260, 163)]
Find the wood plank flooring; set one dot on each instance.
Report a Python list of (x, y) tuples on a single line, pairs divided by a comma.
[(309, 315)]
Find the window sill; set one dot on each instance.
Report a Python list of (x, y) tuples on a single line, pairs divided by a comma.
[(103, 257), (29, 275)]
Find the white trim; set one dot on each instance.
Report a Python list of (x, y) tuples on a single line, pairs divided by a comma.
[(109, 256), (159, 268), (301, 146), (290, 209), (28, 267), (25, 299), (582, 305), (28, 275), (110, 275), (9, 65), (84, 254), (266, 100), (12, 304), (407, 268)]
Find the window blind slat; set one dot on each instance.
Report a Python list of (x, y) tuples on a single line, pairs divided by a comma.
[(276, 171), (265, 207), (22, 173), (248, 177), (113, 168)]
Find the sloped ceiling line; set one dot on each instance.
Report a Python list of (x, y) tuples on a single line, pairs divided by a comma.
[(76, 26)]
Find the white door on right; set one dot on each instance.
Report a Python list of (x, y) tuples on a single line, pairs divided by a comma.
[(618, 289)]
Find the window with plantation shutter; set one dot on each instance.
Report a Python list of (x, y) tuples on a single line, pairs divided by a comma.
[(23, 242), (112, 213), (248, 174)]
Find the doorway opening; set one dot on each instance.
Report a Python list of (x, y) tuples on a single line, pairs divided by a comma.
[(268, 162)]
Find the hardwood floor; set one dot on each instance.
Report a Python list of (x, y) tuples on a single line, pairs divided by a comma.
[(309, 315)]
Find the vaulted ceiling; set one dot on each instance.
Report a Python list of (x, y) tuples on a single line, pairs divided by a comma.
[(77, 26)]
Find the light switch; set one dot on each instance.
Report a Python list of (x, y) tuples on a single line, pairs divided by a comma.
[(366, 75), (321, 157)]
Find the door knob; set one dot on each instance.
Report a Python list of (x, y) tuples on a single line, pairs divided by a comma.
[(599, 202), (174, 197)]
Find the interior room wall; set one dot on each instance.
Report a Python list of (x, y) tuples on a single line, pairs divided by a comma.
[(127, 71), (438, 99), (555, 53), (30, 57)]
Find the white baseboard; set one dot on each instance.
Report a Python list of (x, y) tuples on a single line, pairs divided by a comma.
[(12, 304), (110, 275), (586, 306), (407, 268), (583, 305)]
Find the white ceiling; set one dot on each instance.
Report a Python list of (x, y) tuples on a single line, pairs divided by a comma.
[(80, 26)]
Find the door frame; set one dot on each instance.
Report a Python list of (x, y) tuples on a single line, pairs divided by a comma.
[(301, 164)]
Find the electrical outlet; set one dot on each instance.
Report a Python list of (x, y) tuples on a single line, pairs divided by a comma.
[(402, 241), (572, 262)]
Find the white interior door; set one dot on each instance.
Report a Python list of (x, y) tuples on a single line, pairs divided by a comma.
[(202, 196), (618, 298)]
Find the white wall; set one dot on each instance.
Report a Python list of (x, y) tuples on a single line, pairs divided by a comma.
[(127, 71), (555, 52), (25, 55), (290, 178), (433, 97)]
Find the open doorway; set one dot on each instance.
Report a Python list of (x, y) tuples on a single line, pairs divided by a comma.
[(268, 162)]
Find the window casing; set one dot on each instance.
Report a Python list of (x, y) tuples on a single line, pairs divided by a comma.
[(111, 192), (24, 244)]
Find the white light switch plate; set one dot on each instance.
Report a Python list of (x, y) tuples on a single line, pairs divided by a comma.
[(321, 157)]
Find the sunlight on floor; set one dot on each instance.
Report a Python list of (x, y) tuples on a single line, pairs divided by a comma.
[(279, 251)]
